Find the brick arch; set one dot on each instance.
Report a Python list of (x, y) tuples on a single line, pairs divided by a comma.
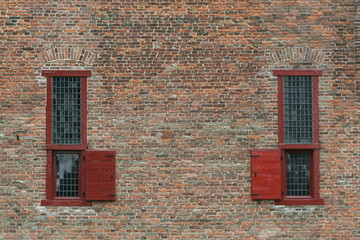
[(297, 54), (60, 53)]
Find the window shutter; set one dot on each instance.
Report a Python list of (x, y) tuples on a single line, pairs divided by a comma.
[(266, 174), (100, 175)]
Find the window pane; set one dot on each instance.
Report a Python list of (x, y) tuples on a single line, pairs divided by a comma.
[(66, 113), (67, 174), (298, 109), (298, 173)]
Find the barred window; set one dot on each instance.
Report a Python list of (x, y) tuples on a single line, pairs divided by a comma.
[(66, 114), (298, 173), (66, 138), (67, 174), (298, 115), (299, 135)]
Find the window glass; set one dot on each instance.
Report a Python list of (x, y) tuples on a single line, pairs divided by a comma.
[(67, 174), (66, 113), (298, 110), (298, 173)]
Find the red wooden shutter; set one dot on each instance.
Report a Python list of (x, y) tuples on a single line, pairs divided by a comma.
[(266, 174), (100, 175)]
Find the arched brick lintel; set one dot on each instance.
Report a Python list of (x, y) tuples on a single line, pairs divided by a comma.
[(77, 54), (297, 54)]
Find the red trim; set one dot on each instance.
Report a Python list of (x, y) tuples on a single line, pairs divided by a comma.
[(66, 73), (283, 173), (315, 106), (281, 109), (299, 146), (82, 168), (84, 110), (315, 174), (66, 147), (49, 107), (314, 199), (51, 199), (299, 72), (49, 176), (49, 110), (315, 80)]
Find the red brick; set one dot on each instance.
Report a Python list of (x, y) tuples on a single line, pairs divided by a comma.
[(182, 90)]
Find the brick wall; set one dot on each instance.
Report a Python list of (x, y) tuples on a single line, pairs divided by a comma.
[(182, 90)]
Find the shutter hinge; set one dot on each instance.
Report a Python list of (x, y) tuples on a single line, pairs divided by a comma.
[(255, 194), (112, 195), (83, 157), (83, 193), (255, 156), (110, 155), (282, 193)]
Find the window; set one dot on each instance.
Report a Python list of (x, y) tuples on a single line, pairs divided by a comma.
[(298, 109), (74, 174), (67, 116), (299, 135), (298, 173), (67, 174), (296, 162)]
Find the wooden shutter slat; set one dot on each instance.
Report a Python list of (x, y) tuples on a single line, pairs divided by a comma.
[(100, 175), (266, 174), (104, 188)]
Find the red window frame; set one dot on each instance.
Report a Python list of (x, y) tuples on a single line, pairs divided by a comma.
[(51, 149), (314, 198)]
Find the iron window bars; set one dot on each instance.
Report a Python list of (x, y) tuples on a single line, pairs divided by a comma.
[(299, 135), (66, 137), (298, 110), (66, 110)]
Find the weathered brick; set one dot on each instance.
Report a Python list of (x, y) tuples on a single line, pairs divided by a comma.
[(182, 90)]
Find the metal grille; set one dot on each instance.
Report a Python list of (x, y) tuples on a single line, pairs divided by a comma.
[(298, 109), (298, 173), (66, 114), (67, 174)]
